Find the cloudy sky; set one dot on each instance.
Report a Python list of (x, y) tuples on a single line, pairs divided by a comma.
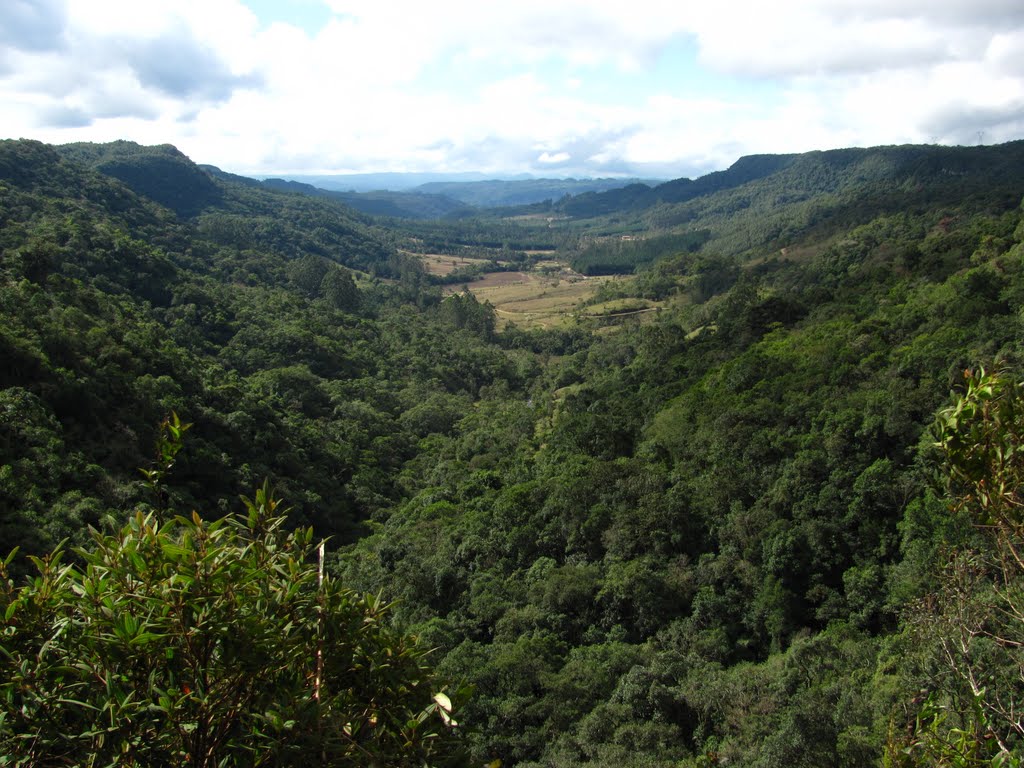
[(552, 87)]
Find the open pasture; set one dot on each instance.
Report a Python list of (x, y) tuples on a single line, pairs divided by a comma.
[(531, 300), (442, 264)]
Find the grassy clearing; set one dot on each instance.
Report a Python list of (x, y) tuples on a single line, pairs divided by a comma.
[(547, 296), (493, 281), (537, 301), (444, 263), (621, 307)]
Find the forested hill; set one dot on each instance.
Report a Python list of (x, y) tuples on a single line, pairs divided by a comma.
[(245, 318), (950, 171), (704, 535), (161, 173), (704, 538), (236, 211)]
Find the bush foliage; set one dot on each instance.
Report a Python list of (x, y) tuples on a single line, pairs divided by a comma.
[(209, 644)]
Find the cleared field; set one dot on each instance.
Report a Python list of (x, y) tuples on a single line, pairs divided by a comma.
[(444, 263), (534, 300), (622, 308), (493, 280), (549, 295)]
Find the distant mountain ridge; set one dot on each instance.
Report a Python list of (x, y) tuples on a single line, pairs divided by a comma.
[(414, 205), (761, 185), (375, 193), (497, 193), (440, 199), (828, 171), (403, 205), (391, 181)]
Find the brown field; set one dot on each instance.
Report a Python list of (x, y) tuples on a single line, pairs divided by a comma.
[(502, 279), (443, 263), (446, 263), (531, 300), (549, 296)]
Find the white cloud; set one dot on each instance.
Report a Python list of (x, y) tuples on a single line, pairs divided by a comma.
[(553, 159), (543, 84), (32, 25), (102, 53)]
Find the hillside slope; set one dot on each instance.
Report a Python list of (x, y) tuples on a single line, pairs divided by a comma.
[(762, 200), (244, 319), (707, 536)]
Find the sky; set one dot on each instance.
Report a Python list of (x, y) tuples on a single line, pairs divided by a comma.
[(648, 88)]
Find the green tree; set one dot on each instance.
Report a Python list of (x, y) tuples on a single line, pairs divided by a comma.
[(307, 273), (209, 644), (339, 289), (975, 623)]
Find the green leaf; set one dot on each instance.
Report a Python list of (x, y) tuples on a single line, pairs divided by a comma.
[(443, 702)]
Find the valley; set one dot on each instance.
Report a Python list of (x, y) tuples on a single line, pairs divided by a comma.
[(698, 476)]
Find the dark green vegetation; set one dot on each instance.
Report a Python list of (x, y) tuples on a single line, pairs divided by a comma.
[(624, 256), (775, 183), (219, 644), (712, 536)]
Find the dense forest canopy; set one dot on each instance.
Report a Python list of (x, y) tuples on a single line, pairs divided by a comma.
[(708, 534)]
